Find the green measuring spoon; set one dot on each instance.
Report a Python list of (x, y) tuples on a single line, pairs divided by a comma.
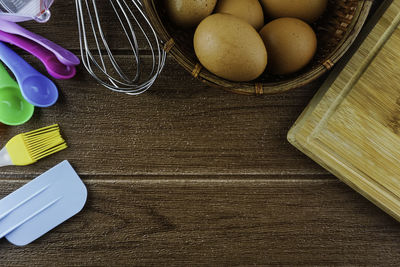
[(14, 109)]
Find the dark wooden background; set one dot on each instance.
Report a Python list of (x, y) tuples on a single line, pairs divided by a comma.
[(187, 174)]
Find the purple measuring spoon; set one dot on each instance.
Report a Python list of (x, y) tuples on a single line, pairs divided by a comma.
[(53, 66), (63, 55)]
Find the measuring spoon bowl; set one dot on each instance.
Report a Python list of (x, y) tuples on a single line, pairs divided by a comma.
[(53, 66), (63, 55), (39, 90), (14, 109), (36, 88)]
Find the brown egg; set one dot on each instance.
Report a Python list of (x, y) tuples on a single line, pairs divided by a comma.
[(291, 44), (189, 13), (249, 10), (307, 10), (230, 48)]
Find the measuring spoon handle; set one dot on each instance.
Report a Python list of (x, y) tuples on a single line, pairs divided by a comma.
[(15, 63), (34, 48), (5, 78), (65, 56)]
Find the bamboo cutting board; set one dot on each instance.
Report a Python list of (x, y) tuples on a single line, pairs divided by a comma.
[(352, 126)]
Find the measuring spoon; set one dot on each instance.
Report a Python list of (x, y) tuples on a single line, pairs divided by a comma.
[(14, 109), (63, 55), (36, 88), (53, 66)]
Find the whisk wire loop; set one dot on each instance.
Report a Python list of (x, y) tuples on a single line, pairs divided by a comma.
[(136, 27)]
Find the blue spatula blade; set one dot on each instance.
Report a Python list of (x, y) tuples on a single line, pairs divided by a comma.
[(42, 204)]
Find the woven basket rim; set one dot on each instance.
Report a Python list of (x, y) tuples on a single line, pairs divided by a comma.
[(247, 88)]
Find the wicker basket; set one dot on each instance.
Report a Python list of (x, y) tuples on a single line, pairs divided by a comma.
[(336, 31)]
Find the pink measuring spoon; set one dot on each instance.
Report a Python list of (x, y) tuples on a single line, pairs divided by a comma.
[(53, 66), (63, 55)]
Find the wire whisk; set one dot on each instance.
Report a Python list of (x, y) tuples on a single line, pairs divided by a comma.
[(98, 58)]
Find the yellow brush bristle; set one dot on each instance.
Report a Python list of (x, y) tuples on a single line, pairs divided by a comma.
[(44, 142), (28, 148)]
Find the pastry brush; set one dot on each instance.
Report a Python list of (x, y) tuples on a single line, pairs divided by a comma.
[(27, 148)]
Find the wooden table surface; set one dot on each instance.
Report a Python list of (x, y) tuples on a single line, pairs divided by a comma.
[(187, 174)]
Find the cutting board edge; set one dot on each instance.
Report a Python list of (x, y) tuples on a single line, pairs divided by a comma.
[(339, 173), (348, 182)]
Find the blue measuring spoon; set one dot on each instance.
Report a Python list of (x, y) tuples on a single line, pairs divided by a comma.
[(36, 88)]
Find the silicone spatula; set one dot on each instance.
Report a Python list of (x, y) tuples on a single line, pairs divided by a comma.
[(42, 204)]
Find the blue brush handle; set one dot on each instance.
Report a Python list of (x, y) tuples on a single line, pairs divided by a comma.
[(16, 64)]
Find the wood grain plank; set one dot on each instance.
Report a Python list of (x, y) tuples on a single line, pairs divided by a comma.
[(187, 175), (215, 222), (181, 126)]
